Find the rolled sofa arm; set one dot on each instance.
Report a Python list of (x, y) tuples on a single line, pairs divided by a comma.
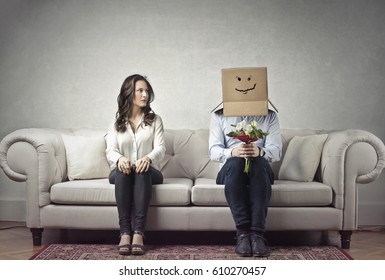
[(350, 157), (35, 156)]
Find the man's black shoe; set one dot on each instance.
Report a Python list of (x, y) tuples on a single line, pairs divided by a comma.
[(258, 246), (243, 247)]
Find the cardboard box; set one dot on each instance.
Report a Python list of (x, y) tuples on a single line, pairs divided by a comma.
[(244, 91)]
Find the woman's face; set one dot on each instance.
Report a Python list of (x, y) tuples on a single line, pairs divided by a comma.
[(141, 94)]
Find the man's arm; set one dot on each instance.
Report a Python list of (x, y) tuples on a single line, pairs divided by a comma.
[(217, 146)]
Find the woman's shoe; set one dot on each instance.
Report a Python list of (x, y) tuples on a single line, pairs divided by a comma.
[(124, 249), (138, 249)]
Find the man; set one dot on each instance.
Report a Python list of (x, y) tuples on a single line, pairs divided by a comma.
[(247, 194)]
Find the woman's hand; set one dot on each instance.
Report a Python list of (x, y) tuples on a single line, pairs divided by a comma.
[(143, 164), (124, 165), (246, 151)]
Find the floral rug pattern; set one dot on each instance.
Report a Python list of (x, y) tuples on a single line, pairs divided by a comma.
[(185, 252)]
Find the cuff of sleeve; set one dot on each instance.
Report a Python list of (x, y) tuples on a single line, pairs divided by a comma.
[(115, 158), (151, 158), (227, 153)]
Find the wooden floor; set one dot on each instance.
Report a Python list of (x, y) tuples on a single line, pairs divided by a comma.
[(16, 240)]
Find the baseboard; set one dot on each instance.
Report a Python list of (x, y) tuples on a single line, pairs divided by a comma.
[(371, 214), (12, 210)]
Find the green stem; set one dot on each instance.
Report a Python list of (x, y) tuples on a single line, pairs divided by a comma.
[(247, 165)]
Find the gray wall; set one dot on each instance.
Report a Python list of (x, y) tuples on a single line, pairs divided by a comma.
[(62, 64)]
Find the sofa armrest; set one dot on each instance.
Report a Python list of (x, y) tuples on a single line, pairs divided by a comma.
[(350, 157), (37, 157)]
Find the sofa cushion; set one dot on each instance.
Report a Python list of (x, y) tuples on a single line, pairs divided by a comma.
[(291, 193), (86, 157), (302, 158), (207, 192), (90, 192), (174, 191), (284, 193)]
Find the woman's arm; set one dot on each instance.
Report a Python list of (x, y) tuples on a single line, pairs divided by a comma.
[(112, 150), (159, 146)]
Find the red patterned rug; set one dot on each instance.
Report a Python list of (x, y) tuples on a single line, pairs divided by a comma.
[(185, 252)]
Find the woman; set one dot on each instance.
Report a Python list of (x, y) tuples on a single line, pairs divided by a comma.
[(134, 142)]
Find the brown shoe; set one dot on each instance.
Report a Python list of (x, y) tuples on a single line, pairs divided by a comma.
[(124, 249), (137, 249)]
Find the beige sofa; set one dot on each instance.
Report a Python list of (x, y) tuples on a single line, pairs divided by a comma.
[(65, 175)]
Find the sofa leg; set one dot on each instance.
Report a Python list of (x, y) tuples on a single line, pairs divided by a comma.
[(37, 234), (345, 238)]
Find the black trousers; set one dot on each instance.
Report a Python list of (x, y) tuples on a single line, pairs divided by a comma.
[(133, 194), (247, 194)]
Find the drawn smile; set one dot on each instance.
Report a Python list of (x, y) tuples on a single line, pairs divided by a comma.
[(245, 91)]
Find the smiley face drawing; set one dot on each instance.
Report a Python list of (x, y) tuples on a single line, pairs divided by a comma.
[(245, 84), (244, 91)]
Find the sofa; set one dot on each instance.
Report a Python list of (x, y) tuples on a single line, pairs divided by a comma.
[(64, 172)]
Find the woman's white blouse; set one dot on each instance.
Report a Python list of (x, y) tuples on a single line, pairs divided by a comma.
[(146, 141)]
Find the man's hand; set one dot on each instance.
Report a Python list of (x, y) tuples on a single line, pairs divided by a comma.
[(246, 151)]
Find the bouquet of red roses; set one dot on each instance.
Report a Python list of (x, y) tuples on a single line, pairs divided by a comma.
[(247, 133)]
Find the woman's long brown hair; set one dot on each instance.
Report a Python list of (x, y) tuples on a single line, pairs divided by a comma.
[(125, 99)]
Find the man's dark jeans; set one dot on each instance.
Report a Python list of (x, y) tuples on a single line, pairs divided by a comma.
[(133, 192), (248, 194)]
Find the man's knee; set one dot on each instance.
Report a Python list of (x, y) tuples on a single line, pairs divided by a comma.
[(235, 165), (258, 163)]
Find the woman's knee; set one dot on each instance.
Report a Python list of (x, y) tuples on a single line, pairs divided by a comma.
[(122, 178)]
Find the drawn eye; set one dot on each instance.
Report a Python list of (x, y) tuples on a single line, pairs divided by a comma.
[(239, 78), (249, 78)]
